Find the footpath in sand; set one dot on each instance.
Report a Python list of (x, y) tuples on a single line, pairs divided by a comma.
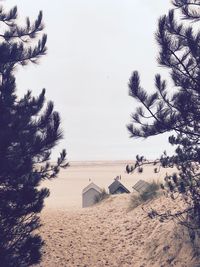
[(108, 234)]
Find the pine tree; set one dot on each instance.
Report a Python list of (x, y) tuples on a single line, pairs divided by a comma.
[(29, 129), (175, 109)]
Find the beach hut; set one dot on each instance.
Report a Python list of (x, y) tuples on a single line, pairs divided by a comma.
[(141, 186), (89, 195), (117, 188)]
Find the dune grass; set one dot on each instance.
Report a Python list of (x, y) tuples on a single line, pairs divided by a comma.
[(102, 196), (151, 192)]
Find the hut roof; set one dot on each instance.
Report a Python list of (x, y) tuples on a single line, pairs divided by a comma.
[(92, 186), (115, 185), (141, 186)]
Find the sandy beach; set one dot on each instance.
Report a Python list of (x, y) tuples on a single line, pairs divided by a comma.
[(66, 190), (109, 233)]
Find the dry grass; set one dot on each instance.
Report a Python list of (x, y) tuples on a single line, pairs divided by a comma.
[(102, 196), (150, 193)]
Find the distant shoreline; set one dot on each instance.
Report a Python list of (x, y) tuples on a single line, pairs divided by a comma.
[(100, 162)]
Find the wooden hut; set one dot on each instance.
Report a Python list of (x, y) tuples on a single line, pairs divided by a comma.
[(89, 195), (117, 188), (141, 186)]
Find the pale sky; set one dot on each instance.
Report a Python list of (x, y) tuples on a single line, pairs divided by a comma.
[(93, 47)]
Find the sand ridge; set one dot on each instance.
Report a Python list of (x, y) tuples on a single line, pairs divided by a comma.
[(108, 234)]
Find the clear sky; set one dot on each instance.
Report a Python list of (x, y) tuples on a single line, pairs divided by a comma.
[(93, 47)]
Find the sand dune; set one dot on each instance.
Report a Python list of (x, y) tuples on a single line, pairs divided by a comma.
[(109, 235)]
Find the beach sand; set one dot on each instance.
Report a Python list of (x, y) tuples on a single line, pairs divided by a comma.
[(108, 233), (66, 190)]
